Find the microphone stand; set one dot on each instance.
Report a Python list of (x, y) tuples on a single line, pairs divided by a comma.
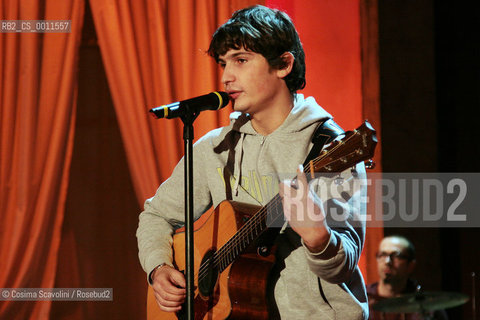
[(188, 116), (188, 137)]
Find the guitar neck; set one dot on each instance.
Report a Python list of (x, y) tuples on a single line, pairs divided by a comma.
[(269, 215)]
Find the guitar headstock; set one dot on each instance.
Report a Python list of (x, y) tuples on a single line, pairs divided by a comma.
[(357, 145)]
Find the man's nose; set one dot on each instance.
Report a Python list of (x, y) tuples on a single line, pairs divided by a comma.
[(227, 75)]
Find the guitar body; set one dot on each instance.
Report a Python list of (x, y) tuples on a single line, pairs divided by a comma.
[(232, 295)]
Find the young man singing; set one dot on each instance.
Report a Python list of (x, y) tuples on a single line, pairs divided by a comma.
[(269, 136)]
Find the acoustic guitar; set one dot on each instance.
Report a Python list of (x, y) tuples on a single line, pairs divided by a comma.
[(231, 275)]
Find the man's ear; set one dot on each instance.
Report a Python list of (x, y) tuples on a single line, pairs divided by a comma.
[(288, 60)]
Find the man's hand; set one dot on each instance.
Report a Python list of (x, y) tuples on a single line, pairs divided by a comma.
[(304, 212), (169, 288)]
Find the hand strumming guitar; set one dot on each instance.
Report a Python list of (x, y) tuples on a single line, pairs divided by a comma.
[(303, 210), (169, 288)]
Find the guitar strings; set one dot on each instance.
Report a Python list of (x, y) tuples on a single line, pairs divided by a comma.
[(222, 254)]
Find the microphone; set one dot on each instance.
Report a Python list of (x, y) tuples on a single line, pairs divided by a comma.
[(212, 101)]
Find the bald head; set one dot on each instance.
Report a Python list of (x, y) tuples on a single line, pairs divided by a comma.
[(406, 245), (395, 259)]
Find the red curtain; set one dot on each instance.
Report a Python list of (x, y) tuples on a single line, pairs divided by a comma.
[(371, 111), (37, 113), (161, 59), (154, 53)]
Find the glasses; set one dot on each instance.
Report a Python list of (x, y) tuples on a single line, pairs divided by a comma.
[(392, 255)]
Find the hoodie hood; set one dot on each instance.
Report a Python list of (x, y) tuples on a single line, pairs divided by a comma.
[(304, 113)]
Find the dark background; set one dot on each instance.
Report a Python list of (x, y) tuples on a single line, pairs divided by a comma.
[(429, 93), (429, 97)]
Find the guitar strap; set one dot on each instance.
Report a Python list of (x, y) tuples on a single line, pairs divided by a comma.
[(325, 133)]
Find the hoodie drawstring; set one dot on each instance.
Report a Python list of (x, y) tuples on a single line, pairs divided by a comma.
[(238, 165)]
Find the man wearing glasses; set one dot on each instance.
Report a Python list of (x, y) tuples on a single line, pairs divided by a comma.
[(395, 264)]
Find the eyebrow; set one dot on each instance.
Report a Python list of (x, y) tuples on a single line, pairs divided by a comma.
[(234, 55)]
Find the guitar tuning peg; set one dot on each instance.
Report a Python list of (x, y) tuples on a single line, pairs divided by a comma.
[(354, 172), (339, 180), (369, 164)]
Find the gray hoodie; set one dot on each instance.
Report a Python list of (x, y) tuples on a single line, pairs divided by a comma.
[(237, 163)]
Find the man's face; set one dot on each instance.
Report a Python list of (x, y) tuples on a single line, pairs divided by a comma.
[(392, 260), (252, 84)]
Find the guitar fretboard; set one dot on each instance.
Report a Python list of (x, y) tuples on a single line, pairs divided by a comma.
[(250, 231)]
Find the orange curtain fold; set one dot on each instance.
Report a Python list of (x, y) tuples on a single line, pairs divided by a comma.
[(37, 114), (371, 111)]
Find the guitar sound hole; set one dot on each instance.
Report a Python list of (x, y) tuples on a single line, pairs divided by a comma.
[(208, 275)]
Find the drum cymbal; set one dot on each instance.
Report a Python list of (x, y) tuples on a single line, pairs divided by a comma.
[(420, 302)]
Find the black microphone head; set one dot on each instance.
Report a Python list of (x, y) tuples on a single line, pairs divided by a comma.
[(212, 101)]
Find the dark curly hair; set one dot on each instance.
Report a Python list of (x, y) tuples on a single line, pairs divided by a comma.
[(266, 31)]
